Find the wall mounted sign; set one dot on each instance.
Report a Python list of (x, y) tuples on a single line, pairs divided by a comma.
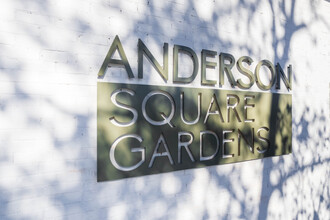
[(145, 129)]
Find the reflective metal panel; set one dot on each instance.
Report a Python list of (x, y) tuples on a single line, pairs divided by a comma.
[(144, 129)]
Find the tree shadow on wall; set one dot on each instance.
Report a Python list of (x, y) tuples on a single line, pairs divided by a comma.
[(61, 180)]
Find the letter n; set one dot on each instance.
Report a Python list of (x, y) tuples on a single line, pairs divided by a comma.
[(143, 50), (280, 74)]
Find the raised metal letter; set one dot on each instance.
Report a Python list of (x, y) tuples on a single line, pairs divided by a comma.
[(185, 145), (108, 61), (246, 106), (143, 50), (263, 139), (224, 141), (245, 72), (207, 64), (272, 71), (198, 110), (216, 112), (201, 157), (192, 54), (133, 150), (233, 107), (226, 68), (124, 106), (167, 120), (162, 154), (280, 74)]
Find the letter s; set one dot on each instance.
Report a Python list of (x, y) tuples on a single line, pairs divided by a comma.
[(263, 150), (123, 106)]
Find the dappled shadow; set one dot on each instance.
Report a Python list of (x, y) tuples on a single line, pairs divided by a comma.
[(50, 55)]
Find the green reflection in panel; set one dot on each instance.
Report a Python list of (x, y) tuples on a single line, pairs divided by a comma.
[(143, 129)]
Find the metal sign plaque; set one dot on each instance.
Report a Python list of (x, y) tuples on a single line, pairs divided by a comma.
[(144, 129)]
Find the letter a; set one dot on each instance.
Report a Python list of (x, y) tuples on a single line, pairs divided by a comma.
[(108, 61)]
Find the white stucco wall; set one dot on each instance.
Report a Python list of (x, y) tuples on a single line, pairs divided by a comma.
[(50, 54)]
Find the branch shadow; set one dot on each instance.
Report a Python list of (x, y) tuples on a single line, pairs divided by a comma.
[(56, 178)]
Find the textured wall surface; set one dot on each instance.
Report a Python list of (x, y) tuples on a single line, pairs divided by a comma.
[(50, 54)]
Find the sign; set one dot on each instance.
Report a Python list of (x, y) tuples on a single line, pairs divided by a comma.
[(147, 129)]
